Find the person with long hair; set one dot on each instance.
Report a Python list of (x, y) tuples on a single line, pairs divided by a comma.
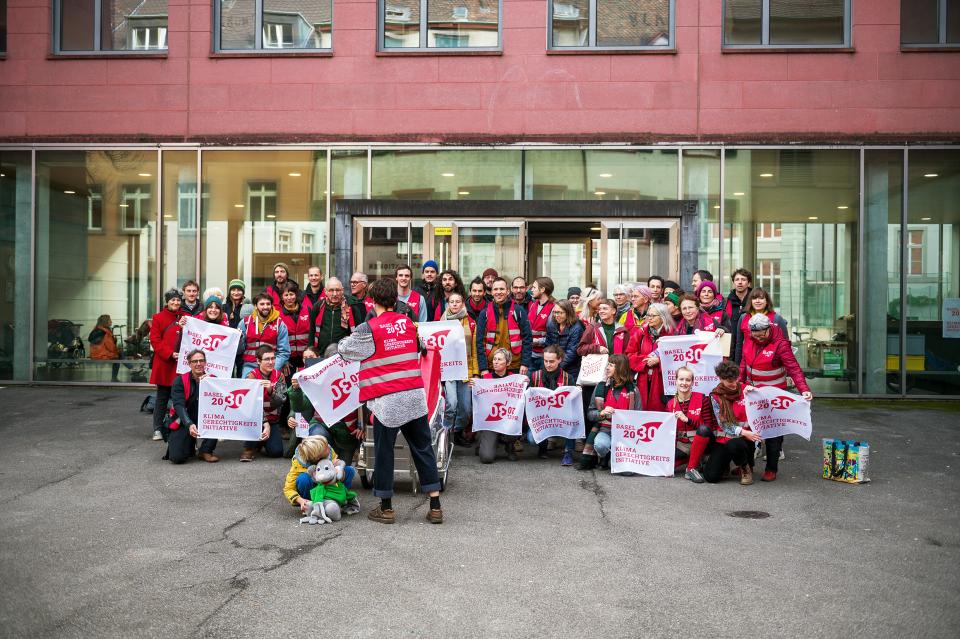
[(733, 440), (565, 331), (758, 301), (694, 436), (487, 440), (694, 319), (456, 413), (641, 351), (450, 283), (616, 392)]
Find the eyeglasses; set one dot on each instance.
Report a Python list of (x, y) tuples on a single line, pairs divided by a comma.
[(352, 282), (198, 361)]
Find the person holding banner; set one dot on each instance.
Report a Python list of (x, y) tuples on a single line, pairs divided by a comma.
[(185, 395), (487, 439), (213, 312), (617, 392), (644, 360), (565, 332), (503, 324), (695, 319), (274, 395), (391, 383), (727, 418), (165, 330), (759, 301), (767, 361), (263, 327), (551, 377), (456, 392), (694, 437)]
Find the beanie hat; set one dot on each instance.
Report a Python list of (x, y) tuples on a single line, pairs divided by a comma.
[(213, 299), (237, 284), (707, 284), (759, 322), (283, 266), (428, 264), (172, 293), (573, 290), (673, 297), (490, 271), (646, 291)]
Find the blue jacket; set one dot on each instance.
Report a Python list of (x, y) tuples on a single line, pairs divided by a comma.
[(567, 341)]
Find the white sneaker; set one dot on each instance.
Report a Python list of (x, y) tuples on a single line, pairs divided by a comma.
[(782, 454), (157, 436)]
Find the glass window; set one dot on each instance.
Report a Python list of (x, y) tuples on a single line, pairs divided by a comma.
[(611, 24), (786, 23), (298, 25), (812, 196), (930, 22), (88, 278), (261, 206), (701, 182), (180, 217), (449, 24), (124, 25), (15, 244), (601, 175), (446, 175), (933, 273), (3, 28)]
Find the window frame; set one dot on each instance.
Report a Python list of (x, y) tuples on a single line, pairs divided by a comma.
[(941, 42), (258, 46), (137, 193), (98, 50), (425, 34), (765, 45), (261, 196), (95, 195), (592, 45)]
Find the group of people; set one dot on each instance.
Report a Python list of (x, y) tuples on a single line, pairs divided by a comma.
[(510, 328)]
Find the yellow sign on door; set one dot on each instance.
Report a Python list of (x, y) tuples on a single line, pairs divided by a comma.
[(443, 230)]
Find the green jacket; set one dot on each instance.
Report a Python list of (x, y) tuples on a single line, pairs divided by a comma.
[(336, 492)]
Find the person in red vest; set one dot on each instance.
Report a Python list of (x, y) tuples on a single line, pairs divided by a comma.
[(185, 395), (616, 392), (641, 351), (487, 440), (767, 361), (281, 273), (693, 435), (295, 314), (274, 395), (694, 319), (315, 290), (539, 312), (263, 327), (503, 324), (551, 377), (414, 300), (605, 336), (165, 330), (733, 440), (391, 384), (358, 291)]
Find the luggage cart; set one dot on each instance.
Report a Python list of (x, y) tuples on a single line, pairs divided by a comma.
[(403, 466)]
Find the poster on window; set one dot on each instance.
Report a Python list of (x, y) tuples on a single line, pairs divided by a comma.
[(700, 354), (772, 412), (333, 387), (951, 317), (218, 342), (555, 413), (230, 409), (643, 442), (498, 404), (447, 336)]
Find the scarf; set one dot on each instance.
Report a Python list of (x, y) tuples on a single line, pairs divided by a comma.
[(447, 315), (726, 398), (344, 318)]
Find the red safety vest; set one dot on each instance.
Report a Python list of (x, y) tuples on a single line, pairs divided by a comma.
[(368, 304), (351, 322), (513, 329), (202, 316), (619, 339), (269, 334), (271, 415), (175, 424), (763, 365), (395, 363), (298, 328), (619, 400), (414, 302), (692, 409), (536, 379), (538, 323)]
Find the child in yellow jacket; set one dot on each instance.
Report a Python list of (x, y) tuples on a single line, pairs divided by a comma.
[(298, 483)]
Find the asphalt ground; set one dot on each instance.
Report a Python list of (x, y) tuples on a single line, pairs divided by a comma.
[(100, 538)]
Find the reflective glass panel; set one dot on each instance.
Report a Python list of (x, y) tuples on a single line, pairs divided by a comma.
[(806, 22), (384, 247), (133, 25), (629, 23), (743, 22), (96, 264), (932, 271), (483, 247), (463, 23), (446, 175), (919, 22), (401, 24), (180, 217), (601, 175), (701, 182), (77, 25), (238, 24), (15, 243), (796, 229), (953, 21), (297, 24), (571, 23)]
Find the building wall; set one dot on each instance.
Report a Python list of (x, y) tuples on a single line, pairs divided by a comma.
[(699, 92)]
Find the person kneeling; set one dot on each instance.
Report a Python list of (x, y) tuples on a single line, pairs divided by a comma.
[(487, 439), (616, 392), (185, 393), (274, 394), (299, 483), (727, 417)]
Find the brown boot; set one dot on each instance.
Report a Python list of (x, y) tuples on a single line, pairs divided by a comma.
[(247, 455), (210, 458), (746, 475), (383, 516), (435, 515)]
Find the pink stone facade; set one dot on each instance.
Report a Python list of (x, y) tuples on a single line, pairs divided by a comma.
[(874, 92)]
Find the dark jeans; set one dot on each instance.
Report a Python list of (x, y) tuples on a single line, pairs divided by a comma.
[(273, 447), (738, 450), (181, 446), (417, 434), (160, 409), (773, 447)]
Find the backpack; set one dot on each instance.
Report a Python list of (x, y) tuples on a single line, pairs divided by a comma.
[(149, 403), (96, 336)]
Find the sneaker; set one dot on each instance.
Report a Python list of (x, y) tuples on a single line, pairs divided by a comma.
[(769, 475), (518, 445), (460, 440), (246, 455), (783, 455), (693, 475), (746, 476), (382, 516), (567, 458), (587, 462), (157, 436), (435, 515)]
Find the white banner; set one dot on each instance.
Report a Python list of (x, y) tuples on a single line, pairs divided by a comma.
[(772, 412), (700, 354), (555, 413), (498, 404), (230, 409), (303, 426), (592, 369), (448, 337), (217, 341), (951, 317), (643, 442), (333, 387)]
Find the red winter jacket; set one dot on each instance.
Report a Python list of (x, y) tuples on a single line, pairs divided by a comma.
[(165, 340), (649, 378), (782, 357)]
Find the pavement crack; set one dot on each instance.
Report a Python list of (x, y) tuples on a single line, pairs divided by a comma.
[(598, 491)]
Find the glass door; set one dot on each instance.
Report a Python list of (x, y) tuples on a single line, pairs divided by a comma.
[(478, 246), (633, 251), (380, 246)]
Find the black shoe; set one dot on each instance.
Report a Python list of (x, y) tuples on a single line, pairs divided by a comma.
[(587, 462), (604, 462), (460, 440), (511, 455), (542, 451)]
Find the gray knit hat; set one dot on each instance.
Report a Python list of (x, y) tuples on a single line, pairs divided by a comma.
[(759, 322)]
